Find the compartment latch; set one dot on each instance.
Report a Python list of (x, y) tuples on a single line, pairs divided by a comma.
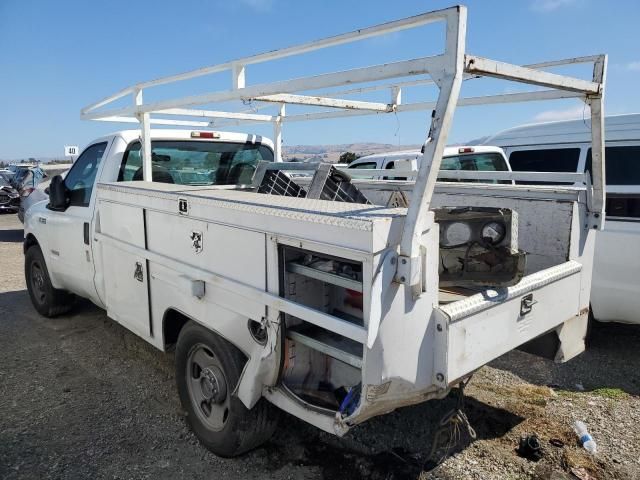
[(526, 304)]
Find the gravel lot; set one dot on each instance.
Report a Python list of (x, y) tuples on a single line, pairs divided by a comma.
[(80, 397)]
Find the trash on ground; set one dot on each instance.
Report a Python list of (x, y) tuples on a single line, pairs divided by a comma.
[(530, 448), (587, 441)]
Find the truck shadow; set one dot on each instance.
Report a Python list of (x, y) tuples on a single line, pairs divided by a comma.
[(13, 236), (610, 364), (393, 446)]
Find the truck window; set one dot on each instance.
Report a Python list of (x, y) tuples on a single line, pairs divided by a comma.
[(545, 160), (365, 165), (79, 180), (483, 162), (389, 166), (187, 162)]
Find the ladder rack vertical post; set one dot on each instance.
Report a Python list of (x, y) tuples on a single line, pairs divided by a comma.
[(598, 177), (237, 76), (145, 137), (277, 134), (449, 82)]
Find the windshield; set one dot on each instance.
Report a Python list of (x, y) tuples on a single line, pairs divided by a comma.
[(20, 175), (187, 162)]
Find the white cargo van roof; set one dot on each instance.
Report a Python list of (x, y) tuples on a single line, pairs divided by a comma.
[(617, 128)]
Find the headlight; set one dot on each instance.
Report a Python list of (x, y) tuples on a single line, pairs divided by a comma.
[(457, 233), (493, 232)]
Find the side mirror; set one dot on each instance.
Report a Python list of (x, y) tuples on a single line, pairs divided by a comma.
[(58, 195)]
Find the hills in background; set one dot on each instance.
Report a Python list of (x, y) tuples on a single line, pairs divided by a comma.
[(331, 153), (302, 153)]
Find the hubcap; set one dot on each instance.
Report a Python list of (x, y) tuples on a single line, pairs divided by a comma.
[(207, 387), (37, 282)]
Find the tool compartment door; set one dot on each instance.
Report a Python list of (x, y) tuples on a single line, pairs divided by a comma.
[(483, 327), (125, 274)]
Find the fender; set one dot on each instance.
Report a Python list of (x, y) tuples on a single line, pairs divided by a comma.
[(35, 221)]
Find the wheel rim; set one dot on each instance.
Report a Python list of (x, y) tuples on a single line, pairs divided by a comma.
[(207, 387), (38, 282)]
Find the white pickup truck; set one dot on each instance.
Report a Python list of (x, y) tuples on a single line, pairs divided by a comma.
[(484, 158), (335, 301)]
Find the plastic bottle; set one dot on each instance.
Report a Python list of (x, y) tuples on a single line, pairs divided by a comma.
[(587, 442)]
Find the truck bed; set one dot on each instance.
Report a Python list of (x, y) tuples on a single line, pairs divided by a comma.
[(370, 227)]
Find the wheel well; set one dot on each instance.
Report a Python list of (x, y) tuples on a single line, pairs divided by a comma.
[(172, 323), (29, 241)]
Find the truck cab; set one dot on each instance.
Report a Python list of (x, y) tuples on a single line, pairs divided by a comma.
[(65, 232)]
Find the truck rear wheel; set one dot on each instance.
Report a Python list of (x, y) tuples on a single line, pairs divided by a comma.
[(208, 369), (48, 301)]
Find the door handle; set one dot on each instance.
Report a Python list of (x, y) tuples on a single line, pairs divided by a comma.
[(86, 233)]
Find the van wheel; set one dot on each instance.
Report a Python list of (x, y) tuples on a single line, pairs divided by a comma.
[(208, 369), (48, 301)]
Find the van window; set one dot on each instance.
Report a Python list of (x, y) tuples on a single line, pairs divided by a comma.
[(622, 206), (622, 165), (187, 162), (545, 160), (551, 160)]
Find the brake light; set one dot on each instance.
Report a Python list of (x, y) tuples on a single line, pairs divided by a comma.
[(26, 192), (205, 135), (466, 150)]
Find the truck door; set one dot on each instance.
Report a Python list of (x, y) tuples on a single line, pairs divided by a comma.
[(70, 251)]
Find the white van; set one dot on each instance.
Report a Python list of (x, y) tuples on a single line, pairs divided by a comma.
[(565, 147), (474, 158)]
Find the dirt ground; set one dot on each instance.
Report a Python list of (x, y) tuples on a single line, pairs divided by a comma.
[(81, 397)]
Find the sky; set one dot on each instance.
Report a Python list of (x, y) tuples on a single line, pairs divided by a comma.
[(59, 56)]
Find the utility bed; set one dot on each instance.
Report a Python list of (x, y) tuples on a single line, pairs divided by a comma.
[(341, 298), (334, 315)]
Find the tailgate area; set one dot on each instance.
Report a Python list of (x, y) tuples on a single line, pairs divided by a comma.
[(484, 326)]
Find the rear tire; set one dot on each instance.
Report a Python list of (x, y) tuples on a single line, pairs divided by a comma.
[(48, 301), (208, 369)]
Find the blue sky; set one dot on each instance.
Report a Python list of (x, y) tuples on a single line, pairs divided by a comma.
[(58, 56)]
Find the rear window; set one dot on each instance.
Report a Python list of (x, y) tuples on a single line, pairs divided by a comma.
[(196, 162), (545, 160), (483, 162), (622, 165), (479, 162)]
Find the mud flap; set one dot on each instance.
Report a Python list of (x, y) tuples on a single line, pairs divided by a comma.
[(562, 343), (262, 368)]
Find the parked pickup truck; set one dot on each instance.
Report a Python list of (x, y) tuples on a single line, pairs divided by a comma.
[(334, 300), (482, 158)]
